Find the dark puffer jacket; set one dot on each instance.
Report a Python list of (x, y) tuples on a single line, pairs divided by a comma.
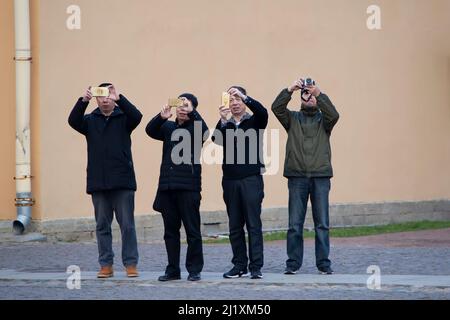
[(187, 174)]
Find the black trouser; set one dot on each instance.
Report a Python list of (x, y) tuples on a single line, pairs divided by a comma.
[(243, 199), (182, 206), (122, 203)]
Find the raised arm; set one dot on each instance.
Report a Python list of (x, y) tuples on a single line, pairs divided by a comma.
[(155, 127), (324, 104), (259, 112), (134, 116), (280, 110), (77, 120), (197, 117), (218, 135), (329, 112)]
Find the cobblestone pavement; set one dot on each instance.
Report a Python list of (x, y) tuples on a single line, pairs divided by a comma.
[(349, 257)]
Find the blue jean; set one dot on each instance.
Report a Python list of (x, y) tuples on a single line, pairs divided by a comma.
[(300, 189)]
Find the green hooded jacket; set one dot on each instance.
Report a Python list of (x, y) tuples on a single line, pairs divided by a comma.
[(308, 151)]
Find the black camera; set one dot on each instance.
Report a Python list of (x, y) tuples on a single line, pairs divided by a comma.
[(309, 82), (305, 91)]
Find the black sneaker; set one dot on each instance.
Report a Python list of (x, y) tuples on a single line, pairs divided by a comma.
[(169, 277), (256, 274), (194, 277), (290, 271), (326, 270), (235, 273)]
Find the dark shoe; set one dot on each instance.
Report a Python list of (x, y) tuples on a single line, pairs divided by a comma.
[(290, 271), (235, 273), (256, 274), (326, 270), (169, 277), (194, 277)]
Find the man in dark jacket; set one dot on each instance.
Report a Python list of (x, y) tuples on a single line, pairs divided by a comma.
[(243, 185), (110, 174), (178, 197), (308, 169)]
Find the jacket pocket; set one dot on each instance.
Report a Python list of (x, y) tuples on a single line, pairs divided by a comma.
[(128, 160), (290, 160), (157, 203)]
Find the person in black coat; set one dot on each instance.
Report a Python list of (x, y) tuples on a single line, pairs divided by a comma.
[(241, 136), (178, 196), (111, 179)]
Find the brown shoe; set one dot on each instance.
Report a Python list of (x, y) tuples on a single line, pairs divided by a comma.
[(105, 272), (132, 272)]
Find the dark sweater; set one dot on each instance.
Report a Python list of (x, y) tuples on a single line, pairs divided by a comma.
[(110, 162), (248, 136), (187, 174)]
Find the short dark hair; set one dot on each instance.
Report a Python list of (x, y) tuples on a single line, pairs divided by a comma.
[(191, 98), (104, 85), (242, 90)]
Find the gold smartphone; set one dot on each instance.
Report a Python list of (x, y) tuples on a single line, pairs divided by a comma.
[(226, 99), (100, 92), (175, 103)]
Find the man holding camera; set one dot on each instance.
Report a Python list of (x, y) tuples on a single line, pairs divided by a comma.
[(178, 196), (110, 173), (243, 185), (308, 168)]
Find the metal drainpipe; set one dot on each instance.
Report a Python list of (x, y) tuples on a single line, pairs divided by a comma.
[(24, 200)]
